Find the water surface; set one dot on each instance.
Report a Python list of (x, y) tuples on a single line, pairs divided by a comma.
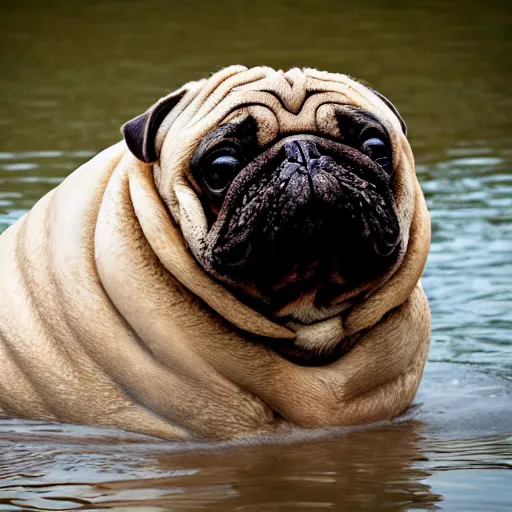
[(73, 72)]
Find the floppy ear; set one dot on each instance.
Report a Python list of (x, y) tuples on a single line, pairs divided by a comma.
[(140, 132), (392, 108)]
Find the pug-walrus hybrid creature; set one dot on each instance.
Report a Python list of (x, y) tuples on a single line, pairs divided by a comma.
[(249, 256)]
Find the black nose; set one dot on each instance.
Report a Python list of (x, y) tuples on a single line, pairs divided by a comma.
[(302, 154)]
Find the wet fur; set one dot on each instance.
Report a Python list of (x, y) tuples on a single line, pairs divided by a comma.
[(108, 317)]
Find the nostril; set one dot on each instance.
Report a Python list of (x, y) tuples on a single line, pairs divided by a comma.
[(315, 166), (301, 153), (293, 152), (309, 149)]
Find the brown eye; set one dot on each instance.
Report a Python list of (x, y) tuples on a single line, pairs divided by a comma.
[(220, 172)]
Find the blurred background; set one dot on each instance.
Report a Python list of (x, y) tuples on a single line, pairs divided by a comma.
[(71, 73)]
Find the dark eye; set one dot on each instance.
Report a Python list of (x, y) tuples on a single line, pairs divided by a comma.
[(220, 171), (378, 151)]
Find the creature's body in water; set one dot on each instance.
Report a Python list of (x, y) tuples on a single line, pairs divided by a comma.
[(249, 255)]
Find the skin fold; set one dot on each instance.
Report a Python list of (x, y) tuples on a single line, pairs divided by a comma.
[(114, 313)]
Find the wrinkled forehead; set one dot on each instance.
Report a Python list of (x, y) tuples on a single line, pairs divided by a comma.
[(299, 100)]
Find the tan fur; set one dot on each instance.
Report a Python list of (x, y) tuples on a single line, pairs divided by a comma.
[(106, 317)]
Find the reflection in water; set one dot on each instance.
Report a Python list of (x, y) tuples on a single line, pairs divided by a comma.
[(73, 72), (358, 469), (394, 466)]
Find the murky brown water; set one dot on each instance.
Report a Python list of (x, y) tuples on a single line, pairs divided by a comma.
[(73, 72)]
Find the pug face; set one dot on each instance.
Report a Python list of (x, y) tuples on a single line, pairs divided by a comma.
[(304, 217), (291, 188)]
